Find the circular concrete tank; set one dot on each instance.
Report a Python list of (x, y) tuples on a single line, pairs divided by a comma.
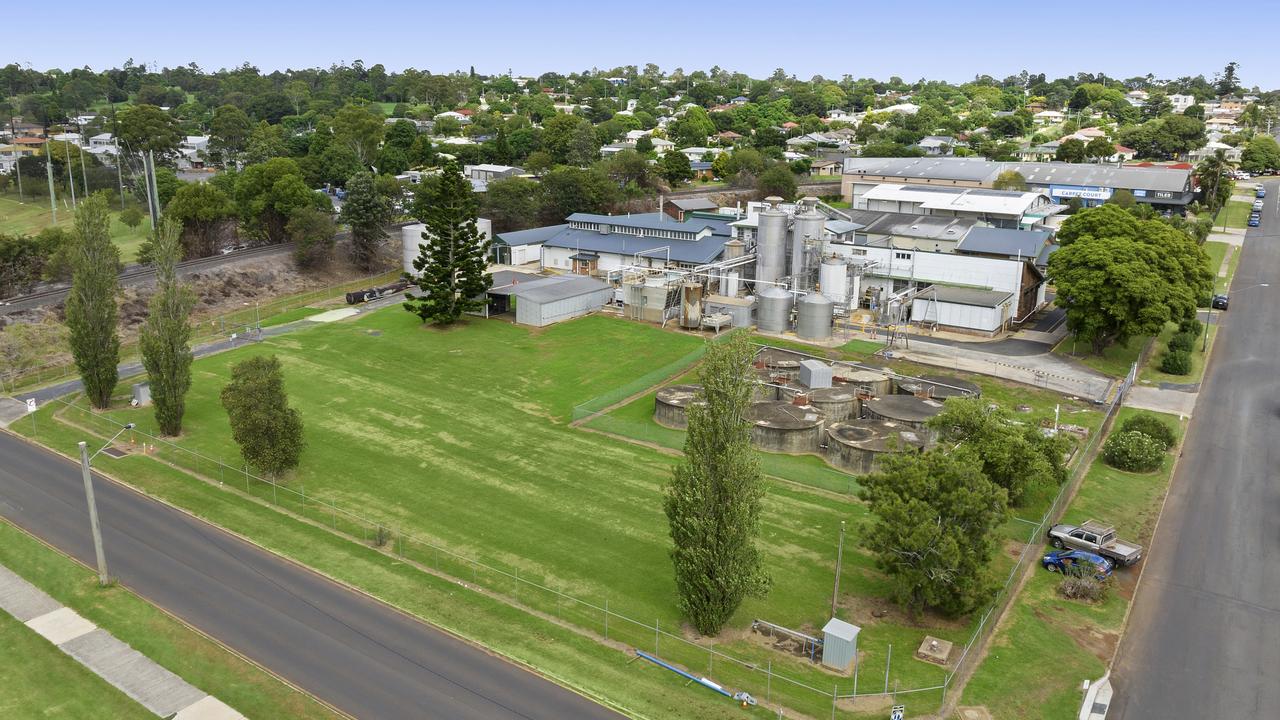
[(836, 403), (779, 365), (859, 445), (786, 428), (671, 406), (938, 387), (876, 382), (909, 410)]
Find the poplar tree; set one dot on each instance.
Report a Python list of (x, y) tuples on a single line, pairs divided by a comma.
[(713, 499), (166, 336), (91, 305), (451, 266)]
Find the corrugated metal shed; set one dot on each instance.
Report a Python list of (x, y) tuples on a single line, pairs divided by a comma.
[(839, 644), (550, 300)]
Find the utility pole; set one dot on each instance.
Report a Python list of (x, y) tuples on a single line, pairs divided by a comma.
[(154, 192), (48, 170), (120, 176), (71, 177), (18, 171), (835, 595), (103, 579), (84, 174)]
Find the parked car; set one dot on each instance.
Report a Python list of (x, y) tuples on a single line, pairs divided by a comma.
[(1257, 206), (1254, 221), (1260, 193), (1078, 563), (1097, 538), (1220, 302)]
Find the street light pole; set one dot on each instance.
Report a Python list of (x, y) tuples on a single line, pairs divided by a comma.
[(103, 578), (835, 595)]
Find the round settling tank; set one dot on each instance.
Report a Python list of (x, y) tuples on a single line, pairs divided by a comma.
[(833, 280), (859, 445), (786, 428), (671, 406), (779, 365), (874, 382), (909, 410), (938, 387), (813, 317), (836, 403), (774, 313)]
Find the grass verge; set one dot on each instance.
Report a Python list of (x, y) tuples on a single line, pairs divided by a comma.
[(34, 215)]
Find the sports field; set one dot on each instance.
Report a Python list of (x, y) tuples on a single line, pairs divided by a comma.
[(34, 215)]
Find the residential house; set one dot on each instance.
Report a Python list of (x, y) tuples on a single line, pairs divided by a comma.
[(483, 174), (1048, 117), (900, 109), (1181, 102), (193, 151), (702, 170), (1232, 154), (678, 208), (1220, 124), (698, 153), (826, 168), (841, 115), (937, 145), (728, 137), (10, 154)]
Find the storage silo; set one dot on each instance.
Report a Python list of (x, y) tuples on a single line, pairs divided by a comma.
[(412, 244), (833, 280), (690, 304), (774, 313), (909, 410), (807, 227), (771, 242), (813, 317)]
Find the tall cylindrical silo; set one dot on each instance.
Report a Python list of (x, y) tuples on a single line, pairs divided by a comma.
[(833, 280), (690, 304), (412, 243), (807, 228), (771, 243), (813, 317), (774, 314)]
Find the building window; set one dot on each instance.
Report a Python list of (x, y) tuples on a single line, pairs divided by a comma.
[(902, 255)]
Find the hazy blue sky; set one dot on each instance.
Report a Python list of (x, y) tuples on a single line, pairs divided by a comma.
[(923, 38)]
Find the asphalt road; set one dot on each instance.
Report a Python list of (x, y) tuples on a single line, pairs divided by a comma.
[(1204, 636), (351, 651)]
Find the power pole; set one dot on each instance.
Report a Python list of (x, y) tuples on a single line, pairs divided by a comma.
[(103, 578), (71, 177), (84, 174), (48, 170), (148, 174), (835, 595), (18, 171), (153, 191), (120, 175)]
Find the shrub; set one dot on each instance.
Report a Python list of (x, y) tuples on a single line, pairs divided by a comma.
[(1084, 588), (1184, 341), (1176, 362), (1132, 451), (1191, 325), (1151, 426)]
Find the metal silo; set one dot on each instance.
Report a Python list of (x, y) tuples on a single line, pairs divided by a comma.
[(833, 280), (807, 227), (691, 304), (813, 317), (774, 313), (771, 242)]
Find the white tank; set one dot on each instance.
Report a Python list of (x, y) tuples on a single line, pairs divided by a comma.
[(412, 242), (833, 280)]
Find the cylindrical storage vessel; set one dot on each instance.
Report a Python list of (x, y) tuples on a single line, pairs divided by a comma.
[(771, 243), (786, 428), (913, 412), (805, 230), (412, 244), (938, 387), (836, 403), (873, 382), (734, 249), (671, 406), (781, 366), (859, 445), (813, 317), (690, 304), (833, 280), (774, 313)]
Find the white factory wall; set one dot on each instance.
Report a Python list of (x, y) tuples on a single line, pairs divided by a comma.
[(555, 258), (969, 317), (936, 267), (411, 242), (539, 314)]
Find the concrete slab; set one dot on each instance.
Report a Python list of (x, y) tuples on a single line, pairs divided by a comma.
[(11, 410), (208, 708), (137, 676), (334, 315), (21, 599), (61, 626), (1167, 401)]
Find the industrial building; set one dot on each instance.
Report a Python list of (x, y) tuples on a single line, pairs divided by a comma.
[(545, 300), (997, 208), (1092, 184)]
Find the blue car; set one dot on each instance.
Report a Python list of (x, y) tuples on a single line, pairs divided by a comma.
[(1254, 221), (1260, 193), (1077, 562)]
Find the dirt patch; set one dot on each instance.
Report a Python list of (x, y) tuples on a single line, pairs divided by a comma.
[(1013, 549), (866, 612), (975, 712)]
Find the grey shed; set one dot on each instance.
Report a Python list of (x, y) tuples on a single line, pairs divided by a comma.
[(815, 374), (839, 644)]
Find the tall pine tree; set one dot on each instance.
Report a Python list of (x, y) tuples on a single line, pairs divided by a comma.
[(451, 267), (166, 336), (367, 212), (91, 305), (713, 500)]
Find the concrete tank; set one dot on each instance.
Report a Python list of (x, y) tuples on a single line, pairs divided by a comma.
[(808, 227), (671, 406), (779, 364), (691, 304), (833, 280), (813, 317), (771, 242), (786, 428), (836, 403), (909, 410), (938, 387), (874, 382), (859, 446), (774, 310)]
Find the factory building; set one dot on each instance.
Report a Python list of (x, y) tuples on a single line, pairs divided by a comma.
[(996, 208)]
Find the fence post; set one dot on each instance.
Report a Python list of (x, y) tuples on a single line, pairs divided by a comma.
[(655, 636), (711, 654), (888, 660), (855, 673), (768, 683), (833, 701), (246, 478), (606, 618), (275, 498)]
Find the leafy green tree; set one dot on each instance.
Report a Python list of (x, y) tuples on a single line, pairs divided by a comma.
[(311, 231), (451, 266), (1079, 99), (713, 500), (297, 93), (693, 128), (203, 212), (1211, 174), (268, 193), (559, 132), (91, 305), (567, 190), (165, 340), (360, 130), (131, 217), (268, 431), (644, 145), (143, 128), (229, 133), (367, 213), (1010, 180), (1071, 150), (1016, 457), (675, 168), (934, 532), (584, 146), (1100, 148), (1261, 154), (630, 170), (1123, 198), (421, 152), (777, 180), (265, 141), (512, 204)]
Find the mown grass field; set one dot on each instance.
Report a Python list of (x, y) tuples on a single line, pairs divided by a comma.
[(1048, 645), (29, 218), (38, 681)]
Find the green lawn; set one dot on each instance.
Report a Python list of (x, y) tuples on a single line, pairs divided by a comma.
[(1150, 372), (1235, 214), (33, 216), (39, 681), (1115, 360), (1047, 645)]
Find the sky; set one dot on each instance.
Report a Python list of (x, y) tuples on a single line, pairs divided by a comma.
[(925, 38)]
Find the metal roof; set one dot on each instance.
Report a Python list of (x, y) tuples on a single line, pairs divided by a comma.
[(928, 227), (836, 627), (959, 199), (1037, 173), (532, 236), (657, 221), (556, 288), (688, 251), (966, 296), (507, 278), (693, 204), (1000, 241)]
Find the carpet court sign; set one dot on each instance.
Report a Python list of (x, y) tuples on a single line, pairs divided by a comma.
[(1077, 191)]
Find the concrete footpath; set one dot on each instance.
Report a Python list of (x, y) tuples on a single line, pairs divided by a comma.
[(134, 674), (1046, 370)]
